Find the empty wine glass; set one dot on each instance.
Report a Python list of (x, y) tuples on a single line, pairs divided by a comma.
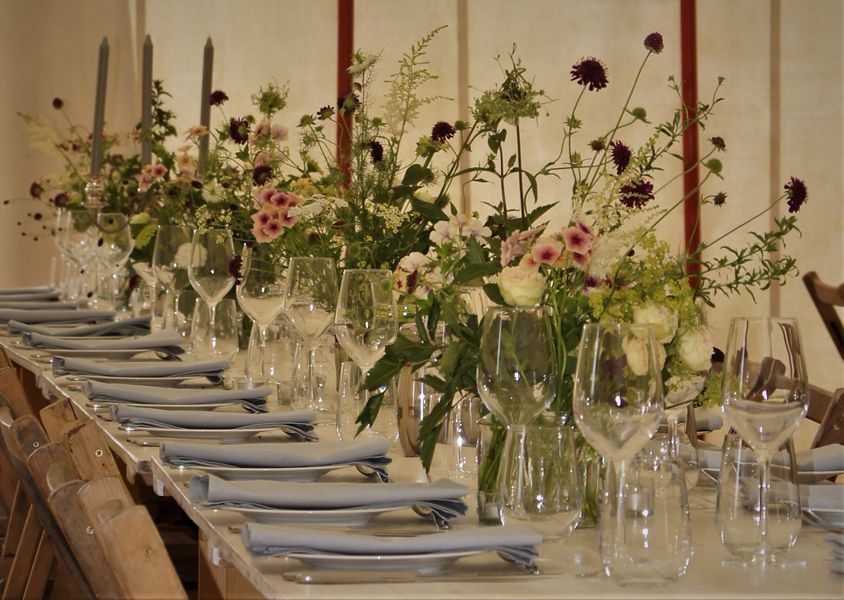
[(113, 247), (209, 271), (76, 237), (765, 395), (170, 261), (310, 301), (365, 321), (516, 379), (260, 293), (617, 406)]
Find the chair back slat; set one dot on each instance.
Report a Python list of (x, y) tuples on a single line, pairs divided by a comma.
[(825, 298), (57, 416), (831, 425), (88, 448), (12, 389)]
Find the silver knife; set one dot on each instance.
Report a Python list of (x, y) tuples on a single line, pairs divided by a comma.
[(350, 577)]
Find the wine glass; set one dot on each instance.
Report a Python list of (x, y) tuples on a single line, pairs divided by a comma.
[(211, 256), (617, 406), (260, 293), (310, 301), (170, 260), (765, 395), (516, 379), (365, 321), (113, 246), (76, 236)]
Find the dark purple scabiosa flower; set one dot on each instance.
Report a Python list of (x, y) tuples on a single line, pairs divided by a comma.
[(654, 43), (376, 151), (797, 194), (36, 189), (261, 174), (239, 130), (637, 194), (37, 216), (217, 98), (597, 144), (719, 143), (58, 103), (590, 282), (719, 199), (235, 265), (591, 73), (324, 113), (61, 200), (132, 283), (442, 131), (348, 103), (621, 155)]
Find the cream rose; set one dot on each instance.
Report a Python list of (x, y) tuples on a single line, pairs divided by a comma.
[(636, 351), (521, 286), (663, 320), (140, 219), (695, 348)]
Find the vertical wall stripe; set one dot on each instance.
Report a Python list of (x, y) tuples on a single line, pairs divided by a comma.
[(691, 153), (463, 95), (775, 297), (345, 49)]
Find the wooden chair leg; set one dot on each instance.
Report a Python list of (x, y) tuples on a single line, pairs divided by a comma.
[(40, 572), (17, 518), (24, 556)]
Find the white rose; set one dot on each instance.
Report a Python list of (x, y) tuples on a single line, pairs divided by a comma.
[(183, 255), (695, 348), (636, 352), (520, 286), (663, 320)]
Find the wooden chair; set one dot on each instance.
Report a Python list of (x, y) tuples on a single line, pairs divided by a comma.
[(41, 543), (827, 410), (130, 541), (826, 298), (56, 417)]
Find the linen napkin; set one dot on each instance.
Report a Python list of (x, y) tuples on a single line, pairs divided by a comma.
[(825, 458), (369, 453), (36, 304), (27, 296), (170, 341), (212, 369), (442, 497), (298, 424), (836, 545), (133, 326), (517, 543), (55, 315), (38, 289), (822, 496), (253, 400)]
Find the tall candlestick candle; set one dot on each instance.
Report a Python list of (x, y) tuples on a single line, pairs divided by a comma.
[(99, 110), (146, 103), (205, 106)]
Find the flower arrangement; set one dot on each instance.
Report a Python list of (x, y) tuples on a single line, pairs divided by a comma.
[(606, 263)]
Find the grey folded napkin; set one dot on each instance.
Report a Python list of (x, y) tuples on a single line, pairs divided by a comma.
[(822, 496), (38, 289), (836, 544), (27, 296), (825, 458), (517, 543), (368, 453), (36, 304), (253, 400), (442, 497), (212, 369), (55, 316), (132, 326), (168, 340), (298, 424)]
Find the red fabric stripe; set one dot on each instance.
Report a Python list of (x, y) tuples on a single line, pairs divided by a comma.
[(691, 154), (345, 49)]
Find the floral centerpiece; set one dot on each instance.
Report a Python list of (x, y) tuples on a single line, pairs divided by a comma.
[(606, 263)]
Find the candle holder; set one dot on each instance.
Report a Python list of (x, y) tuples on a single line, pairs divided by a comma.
[(94, 194)]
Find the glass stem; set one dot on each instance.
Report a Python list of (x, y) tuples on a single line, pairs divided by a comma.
[(262, 348), (673, 435), (212, 329), (511, 478), (764, 462), (312, 393)]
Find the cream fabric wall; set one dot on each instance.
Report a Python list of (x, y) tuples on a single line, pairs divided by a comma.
[(49, 49)]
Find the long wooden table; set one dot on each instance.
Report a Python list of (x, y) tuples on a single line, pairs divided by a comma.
[(573, 564)]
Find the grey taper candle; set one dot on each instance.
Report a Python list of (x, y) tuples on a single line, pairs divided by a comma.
[(99, 110), (146, 103), (205, 106)]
